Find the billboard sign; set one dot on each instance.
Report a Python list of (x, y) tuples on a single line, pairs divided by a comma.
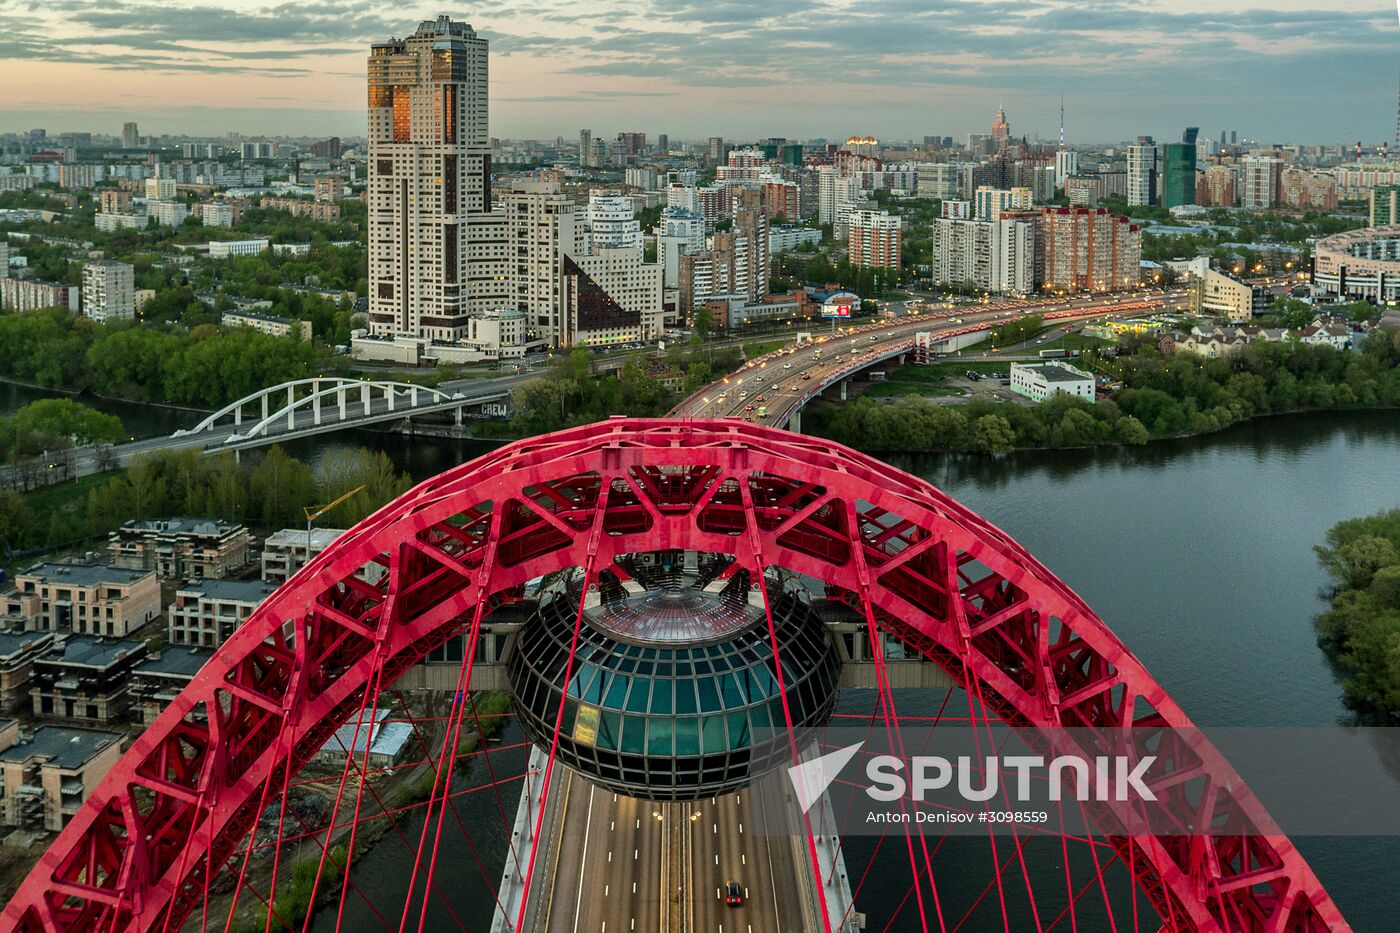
[(840, 305)]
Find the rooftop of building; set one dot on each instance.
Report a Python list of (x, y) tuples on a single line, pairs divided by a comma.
[(175, 660), (91, 651), (64, 746), (1054, 371), (182, 525), (15, 642), (384, 738), (247, 591), (83, 574), (255, 316), (296, 537)]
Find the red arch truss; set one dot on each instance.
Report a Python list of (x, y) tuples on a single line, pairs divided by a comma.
[(927, 570)]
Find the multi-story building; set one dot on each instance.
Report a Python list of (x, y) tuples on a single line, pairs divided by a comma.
[(228, 249), (166, 213), (989, 203), (1219, 294), (1216, 187), (680, 232), (612, 297), (1041, 381), (17, 295), (993, 256), (328, 187), (160, 189), (131, 137), (324, 211), (180, 548), (1307, 191), (938, 180), (45, 778), (1089, 249), (206, 613), (1178, 174), (84, 678), (585, 148), (18, 649), (783, 239), (158, 680), (429, 168), (81, 175), (1066, 164), (1261, 177), (217, 213), (109, 290), (115, 201), (874, 239), (835, 195), (287, 551), (268, 324), (781, 198), (329, 148), (611, 224), (111, 223), (1142, 172), (1385, 206), (250, 151), (541, 229), (83, 598)]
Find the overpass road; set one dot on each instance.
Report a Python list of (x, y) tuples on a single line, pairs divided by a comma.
[(773, 388)]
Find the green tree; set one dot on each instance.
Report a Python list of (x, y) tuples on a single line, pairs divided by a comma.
[(280, 487), (993, 434)]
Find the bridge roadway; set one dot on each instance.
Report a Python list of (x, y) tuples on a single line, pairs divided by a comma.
[(618, 863), (776, 382)]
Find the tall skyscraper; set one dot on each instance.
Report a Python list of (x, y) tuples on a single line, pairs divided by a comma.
[(1262, 182), (429, 168), (1000, 128), (1090, 249), (585, 148), (131, 137), (1142, 172), (1178, 174)]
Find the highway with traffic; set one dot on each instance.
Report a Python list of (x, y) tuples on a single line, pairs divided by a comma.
[(616, 863), (771, 388)]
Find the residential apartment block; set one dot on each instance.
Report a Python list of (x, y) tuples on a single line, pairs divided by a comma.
[(1089, 249), (206, 613), (180, 548), (45, 778), (84, 678), (109, 290), (83, 598)]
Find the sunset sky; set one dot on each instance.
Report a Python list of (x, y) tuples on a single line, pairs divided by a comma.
[(1275, 70)]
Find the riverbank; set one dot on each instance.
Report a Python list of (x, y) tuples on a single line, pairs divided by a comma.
[(1361, 630)]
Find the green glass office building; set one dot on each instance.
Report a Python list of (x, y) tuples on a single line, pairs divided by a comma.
[(1178, 174)]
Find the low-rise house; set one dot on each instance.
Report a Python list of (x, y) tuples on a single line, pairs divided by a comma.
[(156, 681), (1213, 343), (1336, 336), (205, 613), (45, 779), (387, 741), (84, 679), (176, 548), (1040, 381), (86, 599), (287, 551), (18, 649)]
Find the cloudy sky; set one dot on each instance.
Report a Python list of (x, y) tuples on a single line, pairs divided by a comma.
[(1275, 70)]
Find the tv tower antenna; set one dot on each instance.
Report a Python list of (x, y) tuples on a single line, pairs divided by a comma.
[(1062, 121), (1397, 125)]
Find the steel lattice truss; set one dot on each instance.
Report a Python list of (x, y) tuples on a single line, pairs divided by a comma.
[(183, 799)]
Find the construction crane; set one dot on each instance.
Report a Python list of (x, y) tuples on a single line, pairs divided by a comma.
[(314, 512)]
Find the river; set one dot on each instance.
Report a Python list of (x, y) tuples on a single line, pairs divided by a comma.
[(1197, 552)]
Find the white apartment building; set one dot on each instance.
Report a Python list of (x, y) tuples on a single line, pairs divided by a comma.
[(111, 223), (428, 165), (835, 195), (1219, 295), (166, 213), (541, 228), (1261, 180), (18, 295), (206, 613), (679, 233), (784, 238), (990, 202), (611, 224), (109, 290), (286, 551), (1142, 174), (938, 180), (613, 297), (160, 189), (217, 214), (994, 256), (1066, 164)]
